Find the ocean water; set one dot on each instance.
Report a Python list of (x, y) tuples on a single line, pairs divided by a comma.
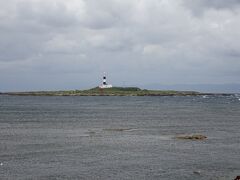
[(119, 137)]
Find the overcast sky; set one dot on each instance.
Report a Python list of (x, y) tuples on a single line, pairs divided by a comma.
[(68, 44)]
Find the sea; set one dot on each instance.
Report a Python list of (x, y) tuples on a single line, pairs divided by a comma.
[(119, 137)]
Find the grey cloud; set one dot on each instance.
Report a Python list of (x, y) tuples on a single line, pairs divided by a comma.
[(49, 14), (199, 6), (215, 3), (135, 41), (104, 14)]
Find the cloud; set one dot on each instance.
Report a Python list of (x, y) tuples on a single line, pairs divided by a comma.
[(200, 6), (138, 41)]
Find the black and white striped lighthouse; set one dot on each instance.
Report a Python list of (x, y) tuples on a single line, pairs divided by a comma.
[(104, 82)]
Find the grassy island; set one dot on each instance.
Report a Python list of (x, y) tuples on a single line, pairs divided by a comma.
[(115, 91)]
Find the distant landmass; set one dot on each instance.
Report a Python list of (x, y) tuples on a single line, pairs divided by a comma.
[(115, 91), (209, 88)]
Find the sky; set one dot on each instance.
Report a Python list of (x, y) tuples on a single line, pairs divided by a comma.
[(68, 44)]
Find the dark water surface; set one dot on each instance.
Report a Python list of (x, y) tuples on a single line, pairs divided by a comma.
[(119, 137)]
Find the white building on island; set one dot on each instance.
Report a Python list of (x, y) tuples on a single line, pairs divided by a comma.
[(104, 83)]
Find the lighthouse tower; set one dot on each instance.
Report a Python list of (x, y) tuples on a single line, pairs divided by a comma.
[(104, 83)]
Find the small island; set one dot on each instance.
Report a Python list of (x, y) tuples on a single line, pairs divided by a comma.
[(114, 91), (106, 89)]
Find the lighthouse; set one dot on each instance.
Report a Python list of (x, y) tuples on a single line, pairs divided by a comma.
[(104, 83)]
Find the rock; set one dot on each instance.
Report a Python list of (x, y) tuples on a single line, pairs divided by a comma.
[(237, 178), (118, 129), (197, 172), (192, 137)]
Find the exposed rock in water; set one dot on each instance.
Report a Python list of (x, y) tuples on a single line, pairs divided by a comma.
[(197, 172), (237, 178), (192, 137), (118, 129)]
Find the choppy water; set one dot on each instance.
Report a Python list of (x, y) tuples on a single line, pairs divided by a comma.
[(119, 137)]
